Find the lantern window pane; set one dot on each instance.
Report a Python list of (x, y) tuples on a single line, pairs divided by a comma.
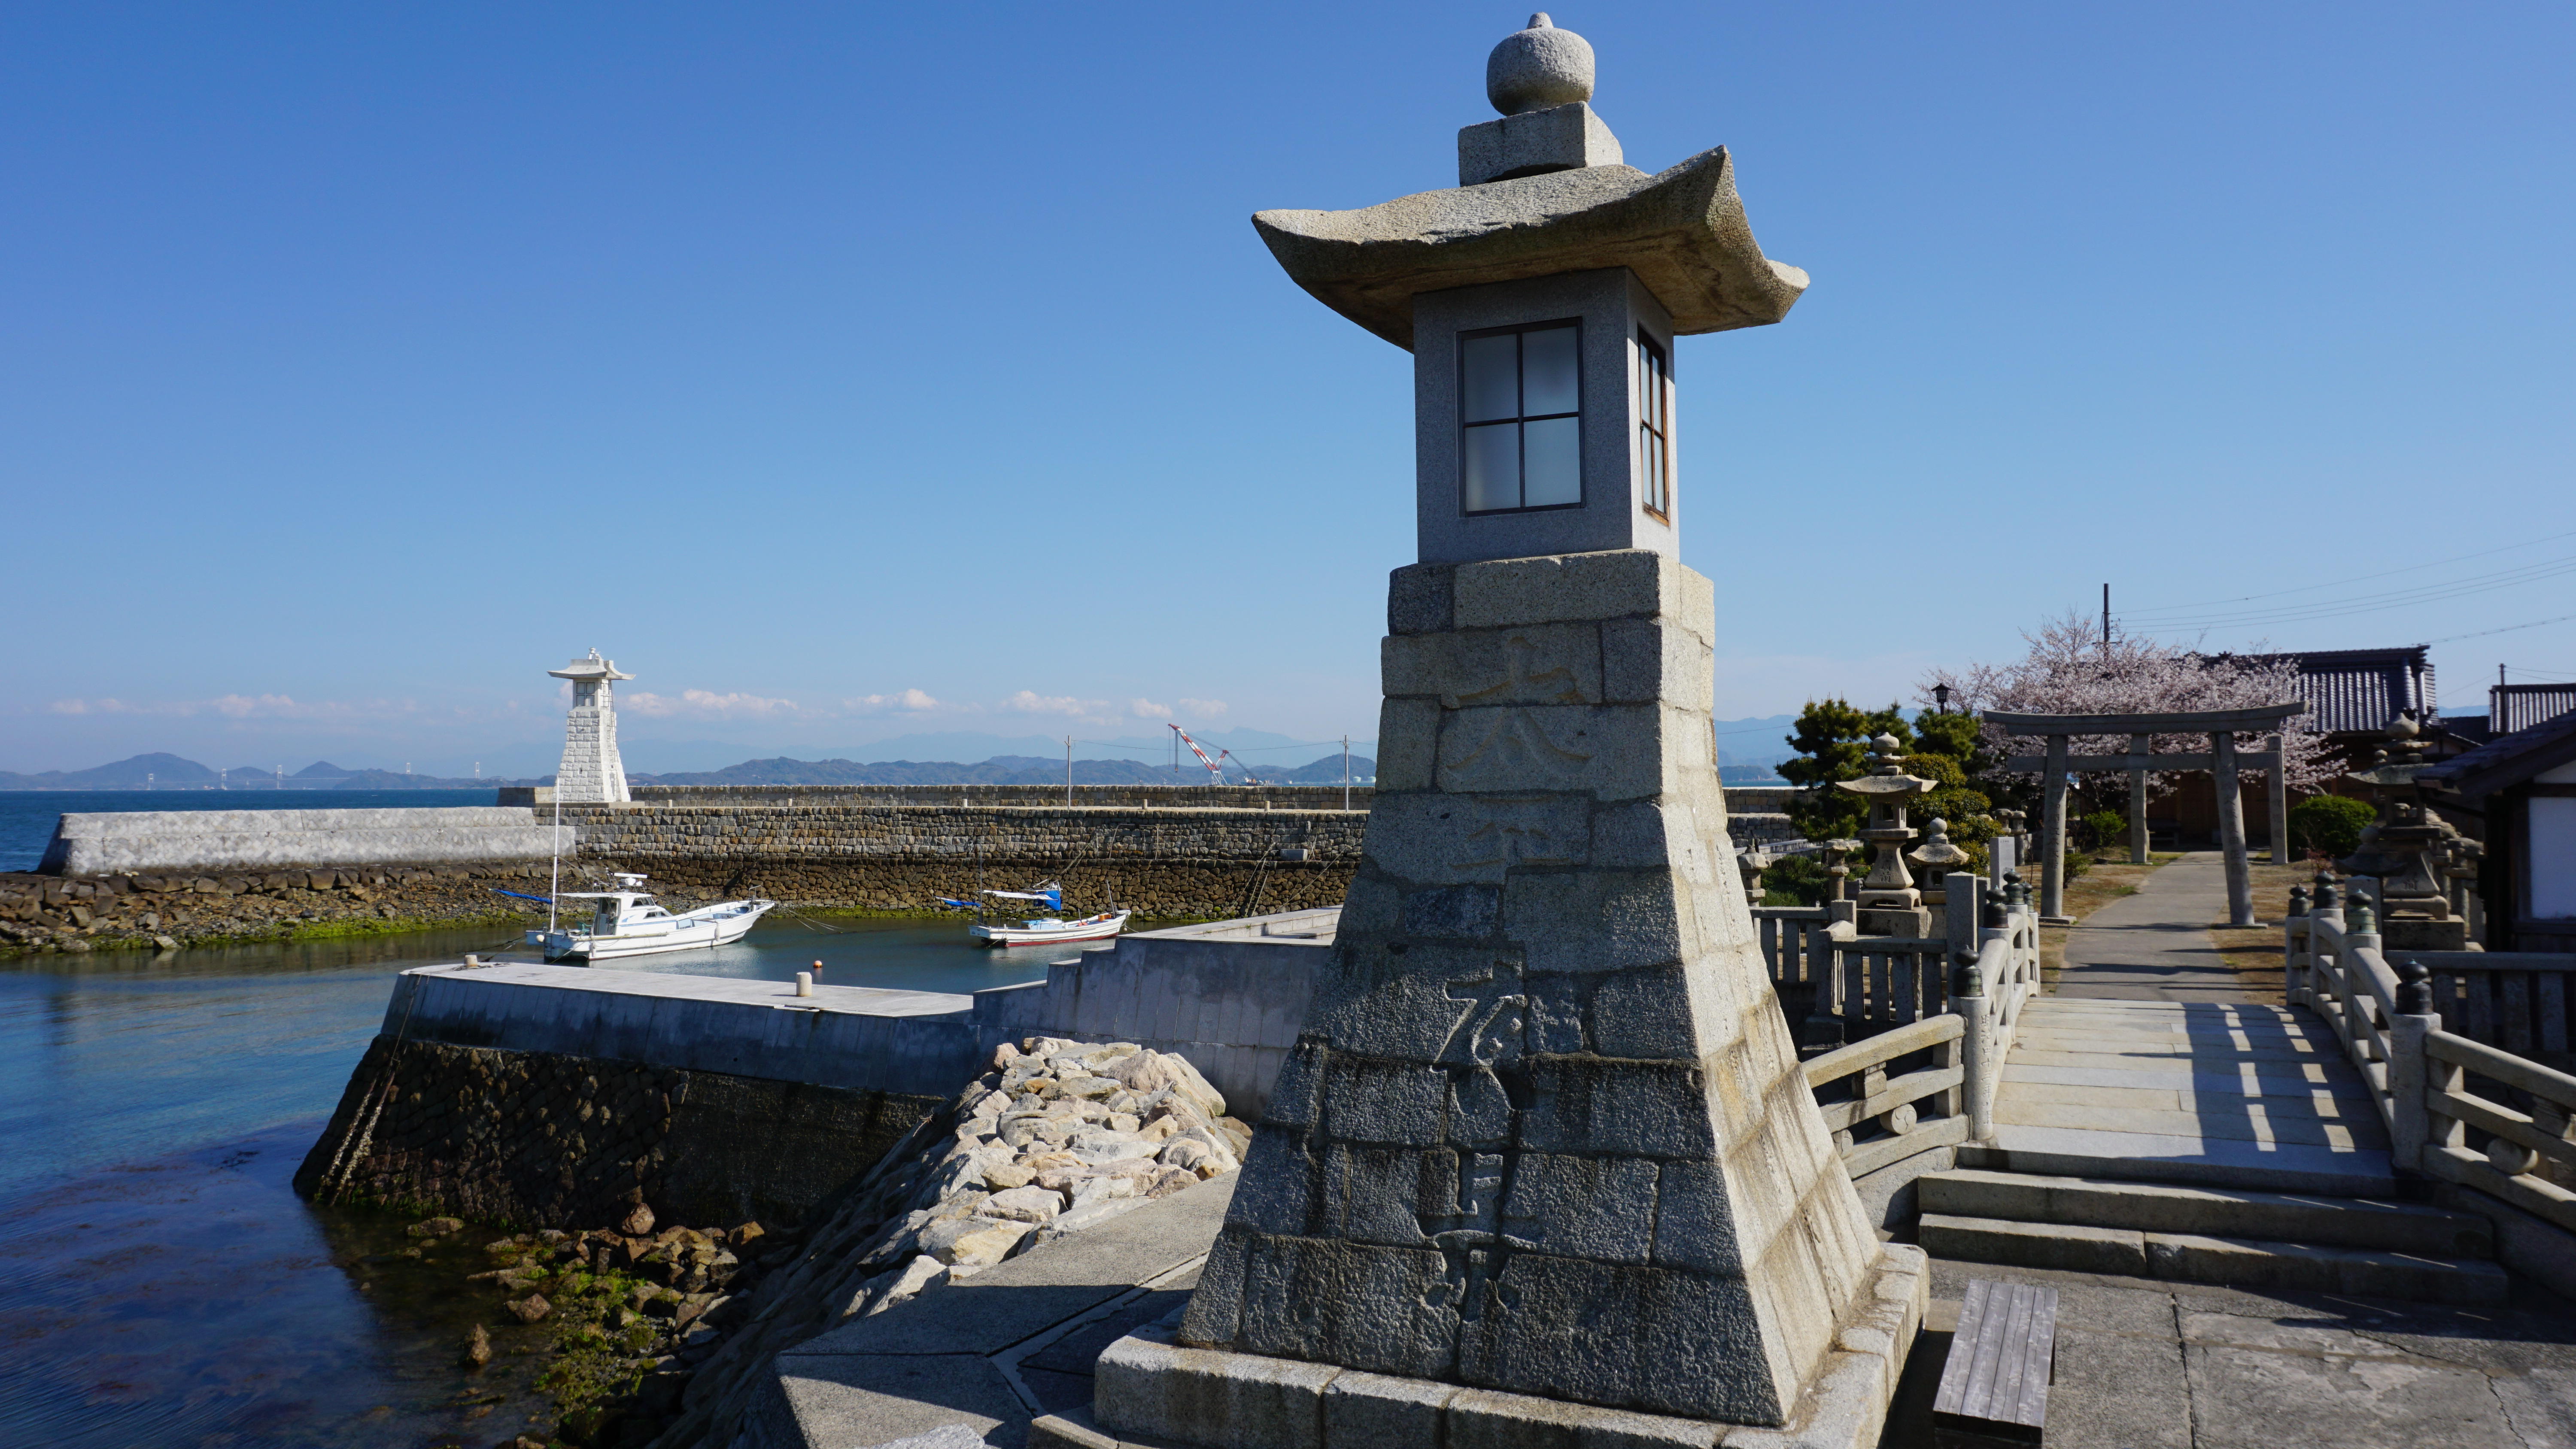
[(1520, 403)]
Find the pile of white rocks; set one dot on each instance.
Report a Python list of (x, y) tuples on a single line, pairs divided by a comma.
[(1054, 1137), (1058, 1136)]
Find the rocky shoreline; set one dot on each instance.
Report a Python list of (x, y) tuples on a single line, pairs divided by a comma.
[(45, 913), (622, 1316)]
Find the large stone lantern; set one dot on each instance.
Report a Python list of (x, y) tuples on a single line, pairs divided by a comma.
[(1543, 1156), (2408, 850), (1889, 903)]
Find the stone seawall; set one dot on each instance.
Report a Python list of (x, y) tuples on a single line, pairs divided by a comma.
[(546, 1140), (903, 858)]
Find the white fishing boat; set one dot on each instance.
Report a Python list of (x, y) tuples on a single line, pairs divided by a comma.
[(1045, 930), (1051, 930), (627, 922)]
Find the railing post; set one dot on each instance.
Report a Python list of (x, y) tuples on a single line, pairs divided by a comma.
[(2325, 910), (1959, 898), (2295, 945), (2410, 1127), (1976, 1073)]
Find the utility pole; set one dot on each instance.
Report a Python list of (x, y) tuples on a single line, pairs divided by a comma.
[(2106, 616), (1068, 769), (1346, 772)]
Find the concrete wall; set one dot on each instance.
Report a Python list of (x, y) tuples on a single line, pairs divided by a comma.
[(164, 840), (1229, 996)]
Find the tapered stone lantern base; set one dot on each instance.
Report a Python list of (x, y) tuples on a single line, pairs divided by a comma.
[(1543, 1154)]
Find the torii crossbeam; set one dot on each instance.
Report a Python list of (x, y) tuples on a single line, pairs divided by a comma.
[(2223, 761)]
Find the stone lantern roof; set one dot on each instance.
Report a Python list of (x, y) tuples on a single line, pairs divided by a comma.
[(593, 668), (1543, 190)]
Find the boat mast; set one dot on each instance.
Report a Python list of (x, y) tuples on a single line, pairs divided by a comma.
[(554, 879)]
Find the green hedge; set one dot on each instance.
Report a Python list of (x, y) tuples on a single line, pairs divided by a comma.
[(2328, 824)]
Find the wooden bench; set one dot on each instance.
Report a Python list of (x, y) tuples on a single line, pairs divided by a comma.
[(1994, 1388)]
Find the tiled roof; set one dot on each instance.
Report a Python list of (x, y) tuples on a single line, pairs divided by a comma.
[(2512, 707), (2362, 690), (2506, 760)]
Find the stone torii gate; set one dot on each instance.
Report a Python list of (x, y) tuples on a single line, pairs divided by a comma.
[(2223, 761)]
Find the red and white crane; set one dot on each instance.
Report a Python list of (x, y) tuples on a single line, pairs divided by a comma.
[(1216, 767)]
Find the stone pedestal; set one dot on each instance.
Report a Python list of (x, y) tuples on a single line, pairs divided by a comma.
[(1544, 1135), (1915, 922)]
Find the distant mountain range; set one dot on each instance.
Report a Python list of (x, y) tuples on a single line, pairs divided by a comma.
[(171, 772), (1746, 750)]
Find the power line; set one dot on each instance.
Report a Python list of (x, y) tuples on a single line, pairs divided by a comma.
[(2352, 579), (2507, 629), (2366, 604)]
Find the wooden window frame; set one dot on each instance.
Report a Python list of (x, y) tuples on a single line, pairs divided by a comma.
[(1582, 485), (1655, 482)]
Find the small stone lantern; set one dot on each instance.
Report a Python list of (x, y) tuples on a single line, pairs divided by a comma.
[(1938, 858)]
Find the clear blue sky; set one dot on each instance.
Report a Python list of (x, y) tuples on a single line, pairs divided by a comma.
[(359, 363)]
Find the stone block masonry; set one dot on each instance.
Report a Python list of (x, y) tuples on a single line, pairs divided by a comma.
[(1543, 1131)]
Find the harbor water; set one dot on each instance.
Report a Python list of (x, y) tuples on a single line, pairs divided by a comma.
[(159, 1281)]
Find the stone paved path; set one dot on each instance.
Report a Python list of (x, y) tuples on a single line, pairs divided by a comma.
[(2149, 1062), (2240, 1094), (2151, 1365), (2155, 946)]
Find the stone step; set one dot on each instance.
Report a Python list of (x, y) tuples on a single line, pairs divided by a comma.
[(2195, 1258), (2340, 1222), (2193, 1158)]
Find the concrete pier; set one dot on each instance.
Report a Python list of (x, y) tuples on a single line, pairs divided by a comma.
[(552, 1094), (914, 1042)]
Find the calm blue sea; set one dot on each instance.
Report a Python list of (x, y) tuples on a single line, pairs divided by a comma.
[(159, 1282), (27, 816)]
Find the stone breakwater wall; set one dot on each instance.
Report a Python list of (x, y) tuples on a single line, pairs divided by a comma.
[(109, 843), (904, 857), (1165, 797), (552, 1141), (863, 857)]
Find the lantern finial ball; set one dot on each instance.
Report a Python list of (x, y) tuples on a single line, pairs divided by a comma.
[(1538, 67)]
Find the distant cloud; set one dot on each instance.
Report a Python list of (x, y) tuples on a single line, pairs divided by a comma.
[(911, 699), (1147, 709), (1203, 708), (1031, 702), (706, 703), (240, 706)]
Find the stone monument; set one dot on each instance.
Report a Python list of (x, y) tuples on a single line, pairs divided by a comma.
[(591, 772), (1542, 1164)]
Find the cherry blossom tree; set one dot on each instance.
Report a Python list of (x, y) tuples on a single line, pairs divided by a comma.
[(2072, 669)]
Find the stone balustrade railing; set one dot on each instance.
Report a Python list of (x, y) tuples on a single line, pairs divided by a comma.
[(1948, 1031), (2440, 1037)]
